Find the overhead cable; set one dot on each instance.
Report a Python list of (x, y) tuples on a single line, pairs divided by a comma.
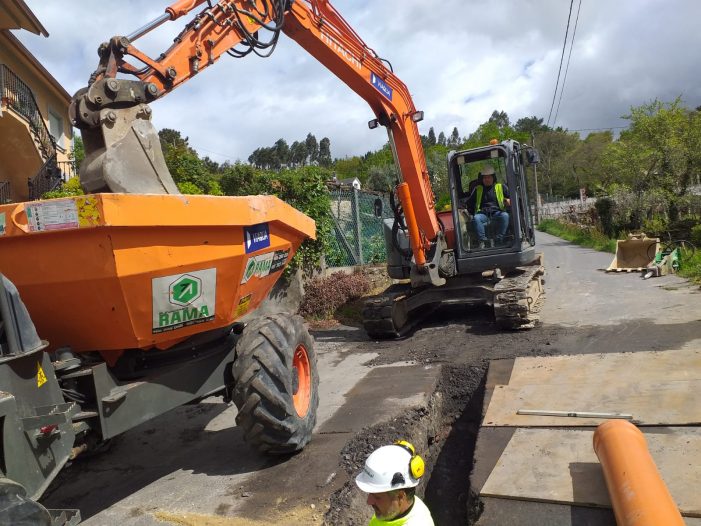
[(564, 45), (567, 68)]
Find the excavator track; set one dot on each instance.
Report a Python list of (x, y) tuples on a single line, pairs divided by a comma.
[(518, 297), (384, 316)]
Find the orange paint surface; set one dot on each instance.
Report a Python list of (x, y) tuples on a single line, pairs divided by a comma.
[(88, 268)]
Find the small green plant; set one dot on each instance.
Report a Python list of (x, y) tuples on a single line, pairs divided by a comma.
[(186, 187), (67, 189)]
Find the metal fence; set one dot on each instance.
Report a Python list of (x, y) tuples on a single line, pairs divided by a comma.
[(357, 237)]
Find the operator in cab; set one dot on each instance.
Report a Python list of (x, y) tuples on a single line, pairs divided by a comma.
[(489, 201)]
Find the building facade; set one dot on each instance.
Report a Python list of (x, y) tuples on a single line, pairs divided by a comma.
[(35, 132)]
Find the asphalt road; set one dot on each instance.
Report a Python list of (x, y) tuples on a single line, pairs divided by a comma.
[(191, 466)]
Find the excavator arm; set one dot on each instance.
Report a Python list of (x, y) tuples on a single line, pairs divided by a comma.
[(122, 147)]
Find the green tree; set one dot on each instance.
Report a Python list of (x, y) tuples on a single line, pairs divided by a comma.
[(442, 140), (659, 152), (500, 118), (281, 153), (531, 125), (77, 154), (382, 178), (172, 139), (431, 137), (312, 149), (454, 140), (325, 152), (298, 153), (554, 170)]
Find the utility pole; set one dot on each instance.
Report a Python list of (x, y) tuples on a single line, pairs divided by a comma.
[(537, 195)]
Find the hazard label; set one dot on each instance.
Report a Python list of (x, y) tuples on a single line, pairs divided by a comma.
[(244, 305), (41, 377)]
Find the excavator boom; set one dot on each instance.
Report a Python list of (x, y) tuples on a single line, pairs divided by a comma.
[(122, 147)]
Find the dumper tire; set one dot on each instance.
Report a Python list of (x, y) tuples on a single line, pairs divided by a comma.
[(276, 384)]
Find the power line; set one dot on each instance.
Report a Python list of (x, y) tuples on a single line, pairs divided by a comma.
[(228, 157), (562, 57), (599, 129), (567, 68)]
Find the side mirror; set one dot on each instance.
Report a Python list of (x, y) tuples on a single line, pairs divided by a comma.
[(377, 207), (532, 156)]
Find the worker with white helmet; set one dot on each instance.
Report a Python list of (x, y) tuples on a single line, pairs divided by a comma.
[(389, 477)]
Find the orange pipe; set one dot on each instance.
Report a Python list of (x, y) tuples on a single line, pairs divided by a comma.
[(638, 493), (414, 237)]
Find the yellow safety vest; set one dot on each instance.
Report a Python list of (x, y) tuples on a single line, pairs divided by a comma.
[(419, 516), (498, 190)]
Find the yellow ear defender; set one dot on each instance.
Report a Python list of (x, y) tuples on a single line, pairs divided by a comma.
[(416, 464)]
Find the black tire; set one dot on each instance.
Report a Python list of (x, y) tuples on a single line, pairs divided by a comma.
[(266, 380)]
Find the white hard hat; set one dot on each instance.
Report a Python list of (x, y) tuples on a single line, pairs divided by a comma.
[(488, 170), (386, 469)]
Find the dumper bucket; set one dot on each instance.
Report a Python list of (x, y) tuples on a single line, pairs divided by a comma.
[(109, 272), (634, 254)]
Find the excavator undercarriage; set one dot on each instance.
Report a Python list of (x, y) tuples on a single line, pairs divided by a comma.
[(515, 297)]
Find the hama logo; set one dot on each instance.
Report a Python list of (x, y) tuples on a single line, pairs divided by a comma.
[(184, 290), (182, 300)]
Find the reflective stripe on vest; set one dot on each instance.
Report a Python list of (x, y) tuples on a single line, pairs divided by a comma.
[(498, 190)]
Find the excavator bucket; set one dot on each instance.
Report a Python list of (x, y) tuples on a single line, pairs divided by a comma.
[(125, 155), (634, 254), (108, 272)]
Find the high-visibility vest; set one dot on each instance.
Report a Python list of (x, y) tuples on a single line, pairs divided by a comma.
[(419, 516), (498, 190)]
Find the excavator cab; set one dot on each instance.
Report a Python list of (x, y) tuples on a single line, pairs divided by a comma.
[(495, 231)]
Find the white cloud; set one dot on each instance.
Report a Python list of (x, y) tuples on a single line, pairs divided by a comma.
[(461, 59)]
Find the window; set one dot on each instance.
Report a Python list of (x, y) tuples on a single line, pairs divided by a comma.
[(56, 128)]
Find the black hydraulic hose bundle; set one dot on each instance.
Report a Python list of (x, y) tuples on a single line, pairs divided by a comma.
[(273, 10), (398, 224)]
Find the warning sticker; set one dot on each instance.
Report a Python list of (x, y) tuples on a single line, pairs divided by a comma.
[(52, 215), (183, 300), (41, 376), (2, 224), (244, 305)]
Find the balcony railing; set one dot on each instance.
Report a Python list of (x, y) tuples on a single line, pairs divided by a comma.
[(18, 96), (48, 178), (4, 192), (68, 169)]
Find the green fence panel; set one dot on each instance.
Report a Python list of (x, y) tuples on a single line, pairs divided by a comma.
[(357, 237)]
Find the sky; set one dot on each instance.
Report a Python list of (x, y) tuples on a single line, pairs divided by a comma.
[(461, 60)]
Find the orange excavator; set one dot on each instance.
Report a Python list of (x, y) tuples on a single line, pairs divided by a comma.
[(147, 296), (444, 255)]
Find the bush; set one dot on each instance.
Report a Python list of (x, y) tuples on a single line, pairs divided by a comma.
[(604, 209), (68, 189), (324, 295), (696, 236)]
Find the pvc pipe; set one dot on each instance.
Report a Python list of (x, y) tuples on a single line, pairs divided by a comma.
[(638, 494)]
